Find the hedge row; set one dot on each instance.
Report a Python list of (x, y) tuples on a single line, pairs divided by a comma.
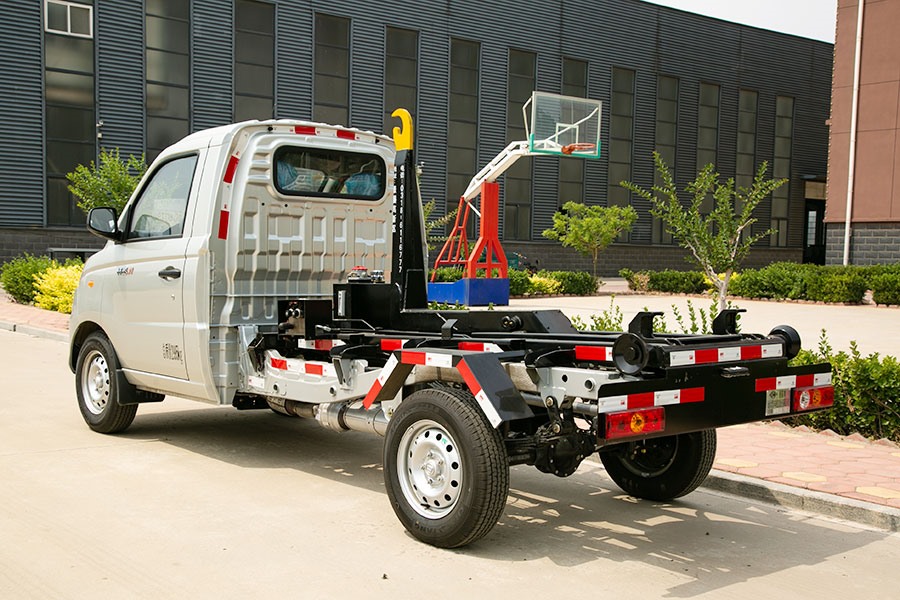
[(45, 282), (783, 281), (866, 393), (670, 282), (522, 283)]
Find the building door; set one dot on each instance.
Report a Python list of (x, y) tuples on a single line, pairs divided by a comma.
[(814, 236)]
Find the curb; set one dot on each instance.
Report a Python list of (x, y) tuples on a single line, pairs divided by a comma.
[(849, 509), (35, 331)]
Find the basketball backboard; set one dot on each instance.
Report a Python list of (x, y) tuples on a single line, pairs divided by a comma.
[(563, 125)]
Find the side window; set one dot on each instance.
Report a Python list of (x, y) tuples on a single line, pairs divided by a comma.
[(160, 210), (329, 173)]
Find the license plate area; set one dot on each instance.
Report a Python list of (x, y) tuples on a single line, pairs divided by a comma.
[(777, 402)]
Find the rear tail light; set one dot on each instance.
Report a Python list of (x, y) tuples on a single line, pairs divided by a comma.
[(635, 422), (813, 398)]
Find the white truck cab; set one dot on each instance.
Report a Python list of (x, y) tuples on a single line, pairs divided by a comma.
[(224, 224)]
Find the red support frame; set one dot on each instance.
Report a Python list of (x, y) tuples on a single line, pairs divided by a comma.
[(488, 243), (487, 253)]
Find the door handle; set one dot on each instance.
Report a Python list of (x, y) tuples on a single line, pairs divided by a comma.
[(170, 273)]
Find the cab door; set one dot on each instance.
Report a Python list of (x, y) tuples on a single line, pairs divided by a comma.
[(146, 320)]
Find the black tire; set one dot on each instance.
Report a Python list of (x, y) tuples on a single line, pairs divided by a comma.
[(95, 387), (662, 468), (445, 468)]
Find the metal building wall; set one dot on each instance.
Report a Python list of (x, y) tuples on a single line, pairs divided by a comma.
[(21, 115), (630, 34)]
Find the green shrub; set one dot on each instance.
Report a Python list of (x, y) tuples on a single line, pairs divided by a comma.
[(638, 282), (544, 285), (866, 393), (18, 276), (886, 288), (608, 319), (519, 283), (55, 287), (578, 283), (778, 280), (677, 282), (447, 274), (830, 286)]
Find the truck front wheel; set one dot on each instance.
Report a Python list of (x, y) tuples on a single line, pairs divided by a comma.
[(662, 468), (445, 468), (95, 386)]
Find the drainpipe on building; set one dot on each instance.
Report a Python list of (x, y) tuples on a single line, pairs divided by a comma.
[(851, 171)]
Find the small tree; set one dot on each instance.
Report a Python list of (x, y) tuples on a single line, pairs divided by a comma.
[(718, 242), (590, 229), (110, 182)]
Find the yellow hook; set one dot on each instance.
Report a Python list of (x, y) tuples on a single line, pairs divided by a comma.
[(403, 135)]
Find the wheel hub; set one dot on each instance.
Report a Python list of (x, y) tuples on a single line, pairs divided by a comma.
[(95, 384), (430, 470)]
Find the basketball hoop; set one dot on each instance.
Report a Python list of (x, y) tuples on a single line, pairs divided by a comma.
[(577, 147)]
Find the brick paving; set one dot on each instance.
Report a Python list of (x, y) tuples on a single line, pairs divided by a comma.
[(847, 466)]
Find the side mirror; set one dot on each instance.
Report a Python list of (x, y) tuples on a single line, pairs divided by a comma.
[(102, 222)]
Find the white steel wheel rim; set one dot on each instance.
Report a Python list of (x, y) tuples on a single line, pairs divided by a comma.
[(429, 469), (95, 383)]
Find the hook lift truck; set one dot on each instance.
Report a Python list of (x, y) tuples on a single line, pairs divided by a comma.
[(248, 269)]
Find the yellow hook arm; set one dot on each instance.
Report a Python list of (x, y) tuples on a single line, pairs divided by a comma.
[(403, 135)]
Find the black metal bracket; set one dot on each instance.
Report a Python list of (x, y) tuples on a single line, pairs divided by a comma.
[(726, 321), (642, 324)]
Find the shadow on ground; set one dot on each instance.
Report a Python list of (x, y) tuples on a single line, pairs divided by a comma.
[(709, 540)]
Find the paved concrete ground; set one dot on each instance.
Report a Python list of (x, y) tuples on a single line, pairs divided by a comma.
[(846, 477), (206, 502)]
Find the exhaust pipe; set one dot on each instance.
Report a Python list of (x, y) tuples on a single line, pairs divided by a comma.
[(337, 416)]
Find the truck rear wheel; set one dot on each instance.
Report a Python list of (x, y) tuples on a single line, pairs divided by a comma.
[(95, 387), (445, 468), (662, 468)]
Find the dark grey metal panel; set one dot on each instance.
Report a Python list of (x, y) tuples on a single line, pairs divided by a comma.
[(120, 76), (617, 33), (21, 115), (367, 72), (212, 63), (546, 169), (293, 59), (434, 100)]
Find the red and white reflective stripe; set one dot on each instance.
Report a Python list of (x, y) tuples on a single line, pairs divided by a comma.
[(345, 134), (306, 367), (788, 382), (480, 396), (386, 371), (429, 359), (717, 355), (389, 345), (593, 353), (479, 347), (319, 344), (648, 399), (231, 168)]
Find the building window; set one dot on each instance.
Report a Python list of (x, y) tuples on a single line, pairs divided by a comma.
[(781, 168), (745, 155), (571, 172), (707, 134), (167, 58), (621, 136), (254, 60), (400, 73), (331, 103), (71, 134), (68, 18), (463, 123), (666, 140), (519, 87)]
